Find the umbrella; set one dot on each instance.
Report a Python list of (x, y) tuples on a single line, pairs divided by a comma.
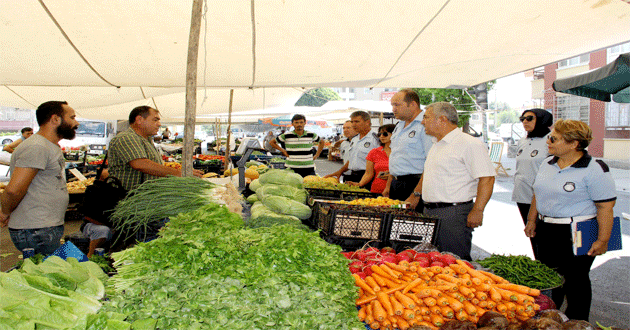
[(599, 84)]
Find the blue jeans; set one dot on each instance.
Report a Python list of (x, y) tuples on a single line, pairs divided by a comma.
[(43, 240)]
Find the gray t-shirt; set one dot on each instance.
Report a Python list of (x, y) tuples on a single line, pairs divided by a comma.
[(46, 199)]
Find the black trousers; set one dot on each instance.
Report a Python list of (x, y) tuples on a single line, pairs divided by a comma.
[(555, 250), (304, 171), (524, 209), (402, 188), (356, 176)]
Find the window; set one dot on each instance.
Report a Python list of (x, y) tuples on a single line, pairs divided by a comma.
[(573, 107), (620, 49), (91, 128), (575, 61), (617, 114)]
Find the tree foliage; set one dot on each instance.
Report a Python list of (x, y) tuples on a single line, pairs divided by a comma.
[(317, 97), (457, 97)]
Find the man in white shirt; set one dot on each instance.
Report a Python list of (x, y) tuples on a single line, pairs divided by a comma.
[(457, 170)]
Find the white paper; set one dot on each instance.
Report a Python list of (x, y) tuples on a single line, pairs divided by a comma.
[(77, 174)]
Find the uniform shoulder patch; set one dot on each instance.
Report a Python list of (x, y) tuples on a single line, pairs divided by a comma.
[(603, 165)]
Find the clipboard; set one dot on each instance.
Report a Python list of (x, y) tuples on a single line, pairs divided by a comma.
[(585, 234)]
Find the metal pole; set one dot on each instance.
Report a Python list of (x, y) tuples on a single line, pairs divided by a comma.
[(191, 88), (228, 154)]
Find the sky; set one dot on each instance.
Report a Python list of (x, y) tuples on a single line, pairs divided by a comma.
[(515, 90)]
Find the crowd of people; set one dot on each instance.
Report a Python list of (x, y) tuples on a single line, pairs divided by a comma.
[(424, 159)]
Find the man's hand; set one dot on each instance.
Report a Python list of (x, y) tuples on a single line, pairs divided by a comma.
[(197, 173), (530, 228), (285, 153), (598, 248), (352, 183), (332, 175), (4, 219), (413, 201), (386, 192), (475, 218)]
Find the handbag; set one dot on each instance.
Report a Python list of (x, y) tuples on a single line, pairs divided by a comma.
[(101, 197)]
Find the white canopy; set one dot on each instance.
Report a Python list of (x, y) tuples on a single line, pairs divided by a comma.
[(78, 50)]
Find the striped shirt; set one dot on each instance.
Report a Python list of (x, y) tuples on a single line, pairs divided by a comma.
[(299, 148), (124, 148)]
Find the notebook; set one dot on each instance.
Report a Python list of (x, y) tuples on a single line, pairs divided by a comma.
[(585, 234)]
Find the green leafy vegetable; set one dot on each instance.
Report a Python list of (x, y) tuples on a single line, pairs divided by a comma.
[(523, 270)]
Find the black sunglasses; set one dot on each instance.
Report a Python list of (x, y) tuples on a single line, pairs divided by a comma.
[(386, 134), (528, 118)]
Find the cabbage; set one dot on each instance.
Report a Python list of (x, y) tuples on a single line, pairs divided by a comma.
[(288, 206), (282, 177), (262, 216), (254, 185), (293, 193), (252, 199)]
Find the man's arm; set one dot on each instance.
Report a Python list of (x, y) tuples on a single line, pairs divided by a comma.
[(338, 173), (413, 200), (484, 192), (320, 147), (11, 146), (21, 179), (274, 144), (152, 168)]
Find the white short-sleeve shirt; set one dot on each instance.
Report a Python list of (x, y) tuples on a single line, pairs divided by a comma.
[(453, 168), (359, 149), (531, 153)]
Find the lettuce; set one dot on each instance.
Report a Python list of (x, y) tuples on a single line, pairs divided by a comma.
[(296, 194), (288, 206), (281, 177)]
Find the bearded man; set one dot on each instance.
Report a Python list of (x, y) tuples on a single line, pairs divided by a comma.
[(34, 202)]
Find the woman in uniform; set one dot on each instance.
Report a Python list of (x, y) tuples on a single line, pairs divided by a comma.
[(571, 186), (531, 152)]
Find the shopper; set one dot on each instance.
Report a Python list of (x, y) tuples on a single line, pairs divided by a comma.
[(298, 147), (457, 170), (34, 202), (531, 153), (267, 142), (410, 145), (570, 187), (26, 133), (360, 146), (377, 162)]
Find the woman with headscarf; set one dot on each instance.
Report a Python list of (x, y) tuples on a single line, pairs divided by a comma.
[(531, 152)]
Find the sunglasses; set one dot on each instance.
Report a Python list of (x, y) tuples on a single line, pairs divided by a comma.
[(528, 118), (552, 139), (385, 134)]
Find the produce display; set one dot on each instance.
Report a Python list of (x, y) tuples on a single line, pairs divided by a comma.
[(523, 270), (207, 272), (174, 165), (277, 160), (378, 201), (157, 199), (54, 294), (78, 187)]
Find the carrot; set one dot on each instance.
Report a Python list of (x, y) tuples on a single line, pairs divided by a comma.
[(375, 325), (415, 299), (391, 272), (362, 313), (397, 306), (437, 320), (424, 310), (481, 295), (407, 278), (436, 269), (402, 324), (386, 324), (476, 281), (475, 301), (462, 315), (457, 296), (372, 283), (390, 283), (507, 295), (485, 287), (442, 301), (378, 311), (459, 269), (496, 278), (427, 324), (365, 300), (455, 304), (395, 267), (510, 306), (491, 304), (501, 308), (369, 314), (466, 292), (426, 278), (361, 292), (473, 318), (414, 266), (361, 283), (495, 295), (524, 299), (470, 308), (378, 279), (435, 310), (519, 289), (383, 298), (520, 309), (447, 271), (448, 312), (378, 270), (429, 301), (408, 314), (483, 304), (412, 284), (405, 300)]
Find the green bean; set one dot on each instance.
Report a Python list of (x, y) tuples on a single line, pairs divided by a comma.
[(522, 270)]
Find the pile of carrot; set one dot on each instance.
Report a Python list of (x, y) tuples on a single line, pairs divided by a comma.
[(406, 295)]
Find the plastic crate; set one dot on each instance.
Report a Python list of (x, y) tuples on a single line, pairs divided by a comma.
[(79, 240), (407, 228), (332, 194), (280, 166), (350, 221)]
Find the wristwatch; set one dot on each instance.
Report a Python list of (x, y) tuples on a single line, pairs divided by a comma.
[(417, 194)]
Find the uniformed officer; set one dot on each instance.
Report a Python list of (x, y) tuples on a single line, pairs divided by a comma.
[(410, 145), (360, 146), (570, 187), (531, 152)]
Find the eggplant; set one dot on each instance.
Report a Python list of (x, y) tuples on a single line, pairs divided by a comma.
[(554, 314), (458, 325), (547, 324), (493, 319)]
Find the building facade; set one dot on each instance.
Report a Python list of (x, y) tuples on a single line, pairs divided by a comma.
[(609, 121)]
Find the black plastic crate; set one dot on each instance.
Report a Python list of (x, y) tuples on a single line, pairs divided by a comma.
[(350, 221), (280, 166), (407, 228), (333, 194)]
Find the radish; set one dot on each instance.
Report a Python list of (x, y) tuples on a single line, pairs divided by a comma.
[(348, 255), (403, 256), (421, 255), (367, 270), (434, 256), (448, 259), (390, 257), (423, 262), (362, 275), (388, 250), (437, 263), (361, 255), (356, 266), (372, 250)]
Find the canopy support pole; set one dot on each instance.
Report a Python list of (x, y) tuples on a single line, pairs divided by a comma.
[(228, 152), (191, 88)]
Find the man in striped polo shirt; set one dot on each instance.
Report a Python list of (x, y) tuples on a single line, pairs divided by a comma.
[(299, 147)]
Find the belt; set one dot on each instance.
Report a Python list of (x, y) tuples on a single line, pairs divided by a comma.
[(357, 172), (407, 177), (565, 221), (440, 205)]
